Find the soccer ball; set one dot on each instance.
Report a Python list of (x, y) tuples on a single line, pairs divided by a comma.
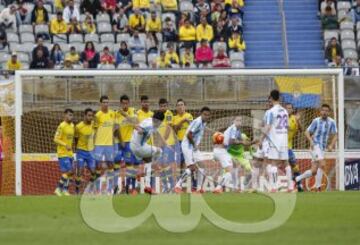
[(218, 138)]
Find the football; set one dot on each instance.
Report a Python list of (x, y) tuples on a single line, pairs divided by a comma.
[(218, 138)]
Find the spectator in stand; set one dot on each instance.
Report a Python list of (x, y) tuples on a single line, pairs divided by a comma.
[(171, 57), (187, 34), (329, 21), (126, 5), (58, 25), (56, 55), (184, 16), (161, 60), (220, 31), (89, 57), (136, 21), (152, 42), (216, 13), (169, 31), (236, 43), (350, 69), (235, 10), (13, 63), (106, 57), (22, 14), (120, 22), (187, 57), (110, 7), (68, 64), (8, 18), (74, 27), (355, 12), (71, 11), (137, 44), (224, 17), (123, 55), (169, 6), (328, 3), (153, 24), (201, 8), (143, 5), (92, 7), (234, 27), (3, 39), (336, 62), (204, 31), (39, 15), (59, 5), (203, 54), (228, 3), (333, 50), (221, 60), (73, 56), (39, 61), (88, 25), (40, 46)]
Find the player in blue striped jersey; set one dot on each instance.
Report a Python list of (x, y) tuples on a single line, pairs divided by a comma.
[(318, 133), (190, 148)]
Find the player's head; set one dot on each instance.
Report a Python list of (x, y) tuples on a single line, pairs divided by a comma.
[(325, 111), (205, 114), (180, 106), (88, 115), (68, 115), (157, 118), (124, 102), (104, 102), (144, 101), (238, 121), (269, 103), (163, 104), (275, 95), (290, 108)]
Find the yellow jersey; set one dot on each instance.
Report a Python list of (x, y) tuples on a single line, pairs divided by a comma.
[(85, 135), (13, 66), (292, 130), (187, 34), (58, 27), (182, 130), (142, 115), (171, 58), (104, 125), (135, 21), (126, 127), (167, 125), (204, 32), (64, 136), (240, 2), (153, 25)]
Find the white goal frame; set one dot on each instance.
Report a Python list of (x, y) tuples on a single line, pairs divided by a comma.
[(192, 72)]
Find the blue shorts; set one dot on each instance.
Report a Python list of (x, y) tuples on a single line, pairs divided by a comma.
[(168, 154), (128, 155), (66, 164), (292, 158), (118, 153), (85, 157), (179, 157), (104, 153)]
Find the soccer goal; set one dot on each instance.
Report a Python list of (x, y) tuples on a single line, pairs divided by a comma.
[(30, 164)]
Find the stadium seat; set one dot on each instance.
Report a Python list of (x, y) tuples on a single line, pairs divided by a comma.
[(186, 6), (25, 47), (4, 57), (41, 29), (350, 53), (27, 37), (122, 37), (123, 66), (60, 38), (78, 46), (108, 37), (104, 28), (76, 38), (25, 66), (110, 45), (347, 25), (342, 14), (237, 56), (343, 5), (103, 18), (48, 8), (138, 57), (77, 67), (82, 17), (106, 67), (347, 35), (64, 47), (151, 57), (142, 65), (348, 44), (23, 57), (330, 34), (92, 37), (26, 29), (13, 38), (48, 45), (237, 64)]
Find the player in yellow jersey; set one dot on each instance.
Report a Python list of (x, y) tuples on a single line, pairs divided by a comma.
[(64, 138), (294, 126), (181, 122), (84, 137), (104, 124), (144, 112), (126, 119), (167, 159)]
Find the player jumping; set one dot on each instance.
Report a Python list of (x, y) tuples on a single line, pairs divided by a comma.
[(318, 134), (64, 138), (190, 148)]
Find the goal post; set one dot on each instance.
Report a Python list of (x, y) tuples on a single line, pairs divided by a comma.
[(334, 80)]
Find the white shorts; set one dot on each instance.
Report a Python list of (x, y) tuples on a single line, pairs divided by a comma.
[(145, 151), (317, 154), (221, 155), (190, 156), (264, 151), (276, 154)]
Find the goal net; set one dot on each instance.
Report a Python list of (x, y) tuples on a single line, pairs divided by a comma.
[(30, 165)]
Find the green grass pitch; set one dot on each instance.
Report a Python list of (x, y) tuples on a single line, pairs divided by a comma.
[(318, 218)]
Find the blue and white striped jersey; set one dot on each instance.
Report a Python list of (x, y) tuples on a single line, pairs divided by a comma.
[(321, 129), (148, 129), (197, 128), (231, 133)]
